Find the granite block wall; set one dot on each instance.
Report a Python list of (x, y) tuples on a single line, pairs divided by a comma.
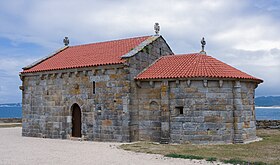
[(48, 98), (138, 63), (199, 111), (108, 109)]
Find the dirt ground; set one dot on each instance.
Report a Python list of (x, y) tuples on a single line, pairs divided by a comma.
[(15, 149)]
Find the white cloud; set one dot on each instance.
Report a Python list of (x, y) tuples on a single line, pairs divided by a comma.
[(244, 34)]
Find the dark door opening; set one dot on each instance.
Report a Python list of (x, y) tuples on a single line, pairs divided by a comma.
[(76, 121)]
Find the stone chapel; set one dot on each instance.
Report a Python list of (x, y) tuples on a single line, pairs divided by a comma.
[(137, 89)]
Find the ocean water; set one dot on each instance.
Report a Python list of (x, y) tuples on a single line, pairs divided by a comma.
[(268, 113), (10, 112), (262, 113)]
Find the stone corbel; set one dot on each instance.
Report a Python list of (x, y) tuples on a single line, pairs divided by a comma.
[(50, 75), (116, 70), (94, 71), (165, 83), (21, 87), (76, 74), (256, 85), (41, 76), (103, 71), (237, 84), (85, 73), (126, 64), (177, 82), (188, 83), (205, 83), (221, 82), (59, 75), (21, 77), (152, 84), (138, 83)]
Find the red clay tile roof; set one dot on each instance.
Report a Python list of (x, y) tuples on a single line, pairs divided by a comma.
[(191, 66), (102, 53)]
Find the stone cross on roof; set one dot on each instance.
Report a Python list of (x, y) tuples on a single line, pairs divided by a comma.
[(203, 43), (66, 41), (156, 28)]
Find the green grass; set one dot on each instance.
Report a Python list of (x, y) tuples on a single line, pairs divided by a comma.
[(184, 156), (261, 152), (211, 159), (174, 155)]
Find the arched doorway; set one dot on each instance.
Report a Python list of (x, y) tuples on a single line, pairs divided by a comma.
[(76, 121)]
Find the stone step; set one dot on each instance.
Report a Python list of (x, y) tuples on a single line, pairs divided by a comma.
[(76, 139), (238, 141)]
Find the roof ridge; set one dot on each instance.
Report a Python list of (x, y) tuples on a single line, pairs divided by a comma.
[(140, 46), (102, 42)]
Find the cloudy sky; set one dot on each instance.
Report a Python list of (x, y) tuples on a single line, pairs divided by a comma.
[(244, 33)]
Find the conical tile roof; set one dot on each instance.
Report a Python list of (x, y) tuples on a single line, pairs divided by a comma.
[(194, 65)]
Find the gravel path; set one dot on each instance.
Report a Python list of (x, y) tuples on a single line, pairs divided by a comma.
[(15, 149)]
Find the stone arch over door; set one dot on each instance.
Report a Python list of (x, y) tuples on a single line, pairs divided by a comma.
[(150, 122), (155, 120), (76, 120)]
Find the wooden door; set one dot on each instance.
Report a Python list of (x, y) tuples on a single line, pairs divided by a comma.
[(76, 121)]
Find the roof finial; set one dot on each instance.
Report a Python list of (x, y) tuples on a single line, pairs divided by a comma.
[(66, 41), (156, 28), (203, 43)]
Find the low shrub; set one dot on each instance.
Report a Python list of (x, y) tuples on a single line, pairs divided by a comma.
[(184, 156)]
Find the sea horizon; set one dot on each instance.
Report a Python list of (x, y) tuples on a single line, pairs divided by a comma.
[(262, 113)]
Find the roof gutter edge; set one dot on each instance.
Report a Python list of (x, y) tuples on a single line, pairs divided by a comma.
[(196, 78)]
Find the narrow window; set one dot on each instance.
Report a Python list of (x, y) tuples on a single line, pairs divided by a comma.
[(93, 87), (179, 110), (160, 53)]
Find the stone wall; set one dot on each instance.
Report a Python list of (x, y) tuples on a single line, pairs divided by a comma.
[(114, 107), (48, 98), (196, 111), (137, 64), (247, 117), (268, 124)]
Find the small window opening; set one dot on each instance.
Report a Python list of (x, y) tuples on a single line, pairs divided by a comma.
[(160, 52), (93, 87), (179, 110)]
